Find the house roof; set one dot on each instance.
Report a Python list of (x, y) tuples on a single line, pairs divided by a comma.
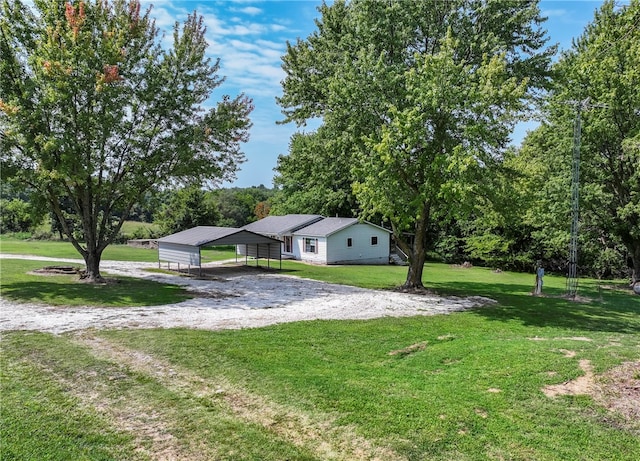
[(280, 225), (328, 226), (206, 235)]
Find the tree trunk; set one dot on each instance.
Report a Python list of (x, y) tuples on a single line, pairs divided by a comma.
[(417, 253), (416, 267), (635, 261), (92, 261)]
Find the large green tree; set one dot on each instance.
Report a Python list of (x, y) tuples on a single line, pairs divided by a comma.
[(237, 206), (94, 112), (315, 177), (422, 95)]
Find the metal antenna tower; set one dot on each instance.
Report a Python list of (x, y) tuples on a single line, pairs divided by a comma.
[(572, 275)]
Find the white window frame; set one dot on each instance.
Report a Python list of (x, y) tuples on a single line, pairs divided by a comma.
[(349, 242), (374, 240), (310, 245)]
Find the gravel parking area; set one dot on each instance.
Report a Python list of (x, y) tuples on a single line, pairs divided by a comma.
[(232, 299)]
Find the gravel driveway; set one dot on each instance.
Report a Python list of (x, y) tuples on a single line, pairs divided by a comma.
[(236, 299)]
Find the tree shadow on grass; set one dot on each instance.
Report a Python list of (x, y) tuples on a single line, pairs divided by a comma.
[(614, 311), (119, 293)]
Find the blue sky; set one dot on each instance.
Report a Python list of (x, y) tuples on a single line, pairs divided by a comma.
[(250, 37)]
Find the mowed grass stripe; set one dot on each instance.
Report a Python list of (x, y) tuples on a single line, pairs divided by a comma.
[(162, 423), (40, 420), (313, 432)]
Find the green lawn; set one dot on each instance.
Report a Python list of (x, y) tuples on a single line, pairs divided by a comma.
[(465, 386), (130, 227), (17, 283)]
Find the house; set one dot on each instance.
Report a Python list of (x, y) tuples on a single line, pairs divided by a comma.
[(282, 228), (319, 240), (342, 241)]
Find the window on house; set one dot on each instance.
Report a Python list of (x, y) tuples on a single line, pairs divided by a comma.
[(349, 242), (288, 244), (374, 240), (310, 245)]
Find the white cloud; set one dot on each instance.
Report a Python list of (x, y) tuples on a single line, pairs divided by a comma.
[(278, 27), (217, 27), (251, 10), (554, 13), (164, 19)]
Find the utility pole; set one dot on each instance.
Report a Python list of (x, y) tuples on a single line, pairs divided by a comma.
[(572, 274)]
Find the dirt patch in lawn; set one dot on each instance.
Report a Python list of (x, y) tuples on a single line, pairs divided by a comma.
[(57, 270), (579, 386), (618, 390), (410, 349)]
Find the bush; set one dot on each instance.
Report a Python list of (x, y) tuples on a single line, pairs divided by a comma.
[(143, 233), (15, 216)]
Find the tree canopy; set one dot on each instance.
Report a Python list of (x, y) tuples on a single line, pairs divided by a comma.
[(315, 177), (95, 111), (187, 208), (422, 96)]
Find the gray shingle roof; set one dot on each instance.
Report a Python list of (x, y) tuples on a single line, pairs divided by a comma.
[(280, 225), (327, 226), (205, 235)]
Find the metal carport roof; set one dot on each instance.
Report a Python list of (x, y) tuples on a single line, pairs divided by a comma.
[(211, 235), (184, 247)]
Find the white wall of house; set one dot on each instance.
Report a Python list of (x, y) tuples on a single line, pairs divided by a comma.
[(302, 244), (369, 245), (335, 248)]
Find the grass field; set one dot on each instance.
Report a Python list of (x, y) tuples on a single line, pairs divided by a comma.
[(130, 227), (465, 386), (17, 283)]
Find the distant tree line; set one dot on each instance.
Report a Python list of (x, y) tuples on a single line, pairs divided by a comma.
[(171, 210)]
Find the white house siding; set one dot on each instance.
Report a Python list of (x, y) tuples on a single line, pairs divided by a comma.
[(361, 251), (333, 249), (178, 253), (319, 257)]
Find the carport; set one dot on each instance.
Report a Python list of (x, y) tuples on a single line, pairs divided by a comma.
[(184, 247)]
